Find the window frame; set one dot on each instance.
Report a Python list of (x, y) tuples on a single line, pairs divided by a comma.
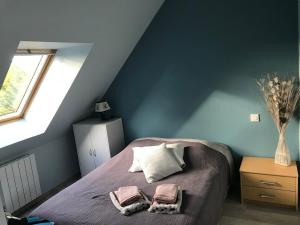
[(50, 53)]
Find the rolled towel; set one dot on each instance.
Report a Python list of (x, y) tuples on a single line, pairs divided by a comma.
[(139, 205), (128, 195), (167, 208), (166, 193)]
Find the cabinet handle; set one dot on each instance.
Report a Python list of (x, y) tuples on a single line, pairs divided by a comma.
[(90, 152), (94, 152), (268, 183), (266, 196)]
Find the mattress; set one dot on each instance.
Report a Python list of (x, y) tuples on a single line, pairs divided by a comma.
[(204, 181)]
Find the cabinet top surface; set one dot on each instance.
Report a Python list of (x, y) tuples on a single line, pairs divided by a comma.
[(97, 121), (267, 166)]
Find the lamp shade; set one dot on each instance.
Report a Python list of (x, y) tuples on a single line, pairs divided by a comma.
[(102, 107)]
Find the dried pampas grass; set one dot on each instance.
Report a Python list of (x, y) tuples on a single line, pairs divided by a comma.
[(281, 95)]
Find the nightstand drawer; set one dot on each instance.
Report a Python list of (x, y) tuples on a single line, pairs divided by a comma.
[(269, 195), (268, 181)]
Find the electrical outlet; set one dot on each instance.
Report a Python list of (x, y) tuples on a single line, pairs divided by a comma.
[(254, 117)]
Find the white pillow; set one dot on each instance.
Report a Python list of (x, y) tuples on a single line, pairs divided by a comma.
[(135, 167), (176, 149), (157, 162)]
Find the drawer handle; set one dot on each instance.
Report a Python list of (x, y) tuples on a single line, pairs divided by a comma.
[(268, 183), (266, 196)]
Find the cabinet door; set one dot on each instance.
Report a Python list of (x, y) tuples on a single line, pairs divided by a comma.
[(84, 148), (99, 140)]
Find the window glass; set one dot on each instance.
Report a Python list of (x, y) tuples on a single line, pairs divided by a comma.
[(20, 81)]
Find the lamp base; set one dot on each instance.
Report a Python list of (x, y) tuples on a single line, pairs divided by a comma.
[(105, 115)]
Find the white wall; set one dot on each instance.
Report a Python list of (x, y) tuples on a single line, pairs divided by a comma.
[(114, 26)]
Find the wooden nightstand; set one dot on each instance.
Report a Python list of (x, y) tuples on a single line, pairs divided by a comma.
[(264, 181)]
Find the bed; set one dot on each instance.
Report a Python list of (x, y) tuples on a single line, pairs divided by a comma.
[(205, 182)]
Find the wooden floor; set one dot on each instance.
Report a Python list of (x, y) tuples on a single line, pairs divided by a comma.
[(235, 213)]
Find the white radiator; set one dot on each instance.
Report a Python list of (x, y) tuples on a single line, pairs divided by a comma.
[(19, 182)]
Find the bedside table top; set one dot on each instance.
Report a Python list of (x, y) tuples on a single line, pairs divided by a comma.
[(267, 166)]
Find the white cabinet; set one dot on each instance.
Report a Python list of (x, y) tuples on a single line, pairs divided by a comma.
[(97, 141)]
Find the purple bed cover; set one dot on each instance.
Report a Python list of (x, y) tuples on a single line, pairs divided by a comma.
[(205, 182)]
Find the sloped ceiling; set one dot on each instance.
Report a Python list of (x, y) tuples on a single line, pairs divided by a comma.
[(113, 26)]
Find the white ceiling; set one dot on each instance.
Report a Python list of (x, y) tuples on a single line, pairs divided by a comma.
[(58, 79), (113, 26)]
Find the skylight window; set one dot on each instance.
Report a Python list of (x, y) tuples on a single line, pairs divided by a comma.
[(21, 82)]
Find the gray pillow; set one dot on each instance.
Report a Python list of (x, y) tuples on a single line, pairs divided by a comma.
[(178, 150)]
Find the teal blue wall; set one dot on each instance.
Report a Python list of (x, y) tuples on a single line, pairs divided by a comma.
[(193, 73)]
